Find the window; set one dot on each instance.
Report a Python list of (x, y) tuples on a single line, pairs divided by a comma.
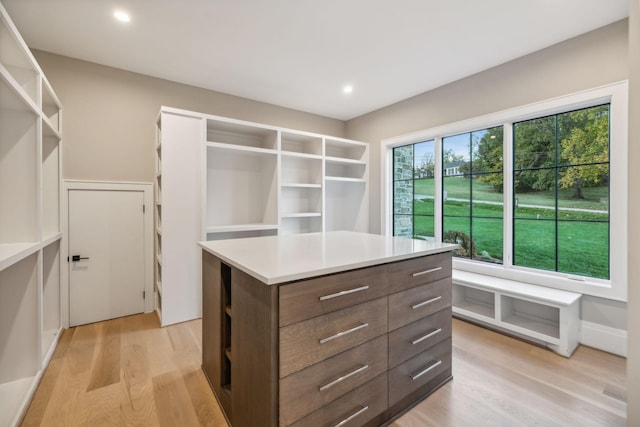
[(561, 191), (472, 193), (534, 194), (414, 190)]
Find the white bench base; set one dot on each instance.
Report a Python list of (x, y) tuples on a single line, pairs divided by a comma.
[(545, 315)]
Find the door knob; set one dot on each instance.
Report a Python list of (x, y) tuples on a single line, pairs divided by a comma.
[(75, 258)]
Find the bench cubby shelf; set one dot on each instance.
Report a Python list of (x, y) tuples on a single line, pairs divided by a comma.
[(220, 178), (544, 315), (30, 232)]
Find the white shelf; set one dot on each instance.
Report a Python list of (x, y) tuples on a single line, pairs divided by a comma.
[(344, 179), (12, 253), (344, 161), (48, 131), (300, 185), (49, 341), (51, 106), (51, 237), (16, 57), (535, 326), (240, 227), (301, 155), (14, 399), (300, 214), (240, 134), (241, 148), (477, 308)]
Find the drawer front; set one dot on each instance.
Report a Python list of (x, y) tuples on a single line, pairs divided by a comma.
[(312, 388), (353, 409), (311, 341), (310, 298), (415, 303), (416, 337), (419, 370), (418, 271)]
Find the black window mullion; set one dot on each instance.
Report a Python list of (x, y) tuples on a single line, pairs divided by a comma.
[(557, 186)]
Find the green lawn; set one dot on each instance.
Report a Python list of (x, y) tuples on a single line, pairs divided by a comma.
[(583, 245)]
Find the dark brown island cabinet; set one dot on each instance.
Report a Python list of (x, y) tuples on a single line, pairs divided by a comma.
[(325, 329)]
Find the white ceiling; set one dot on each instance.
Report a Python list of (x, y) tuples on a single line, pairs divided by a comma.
[(300, 53)]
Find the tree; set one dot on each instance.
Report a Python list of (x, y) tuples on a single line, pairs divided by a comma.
[(487, 157), (426, 168), (450, 156), (535, 154), (587, 143)]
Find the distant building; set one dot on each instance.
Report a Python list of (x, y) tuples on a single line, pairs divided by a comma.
[(453, 168)]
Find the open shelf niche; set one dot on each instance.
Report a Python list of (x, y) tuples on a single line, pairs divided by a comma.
[(242, 189), (19, 337)]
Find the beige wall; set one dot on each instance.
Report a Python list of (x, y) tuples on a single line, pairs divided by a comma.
[(585, 62), (109, 116), (591, 60), (633, 361)]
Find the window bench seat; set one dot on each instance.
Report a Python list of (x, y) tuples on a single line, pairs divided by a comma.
[(545, 315)]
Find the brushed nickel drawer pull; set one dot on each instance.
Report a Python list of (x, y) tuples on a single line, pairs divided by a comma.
[(431, 270), (423, 303), (424, 371), (343, 333), (352, 416), (429, 335), (344, 377), (342, 293)]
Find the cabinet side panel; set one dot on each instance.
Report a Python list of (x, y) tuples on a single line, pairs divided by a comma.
[(211, 313), (254, 344), (181, 217)]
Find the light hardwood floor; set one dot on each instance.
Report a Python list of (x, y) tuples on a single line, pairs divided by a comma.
[(131, 372)]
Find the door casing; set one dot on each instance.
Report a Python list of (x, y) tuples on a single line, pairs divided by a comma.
[(147, 189)]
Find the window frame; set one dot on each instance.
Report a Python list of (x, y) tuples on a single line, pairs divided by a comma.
[(616, 95)]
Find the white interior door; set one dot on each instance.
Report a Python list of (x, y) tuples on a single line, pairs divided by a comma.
[(106, 255)]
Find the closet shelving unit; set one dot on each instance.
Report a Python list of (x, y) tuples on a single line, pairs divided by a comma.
[(241, 178), (30, 233), (346, 190), (222, 178), (301, 171)]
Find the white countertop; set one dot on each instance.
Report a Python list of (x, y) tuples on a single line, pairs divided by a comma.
[(279, 259)]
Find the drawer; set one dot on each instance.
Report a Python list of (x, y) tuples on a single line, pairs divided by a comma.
[(415, 303), (353, 409), (418, 271), (419, 370), (312, 388), (310, 298), (416, 337), (311, 341)]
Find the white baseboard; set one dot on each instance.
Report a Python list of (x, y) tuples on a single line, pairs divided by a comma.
[(603, 338)]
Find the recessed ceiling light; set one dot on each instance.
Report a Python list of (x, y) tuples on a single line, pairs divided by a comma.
[(347, 88), (122, 16)]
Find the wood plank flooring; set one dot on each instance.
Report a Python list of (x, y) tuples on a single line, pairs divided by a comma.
[(131, 372)]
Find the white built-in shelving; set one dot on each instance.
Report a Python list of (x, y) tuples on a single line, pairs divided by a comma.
[(30, 233), (545, 315), (221, 178)]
